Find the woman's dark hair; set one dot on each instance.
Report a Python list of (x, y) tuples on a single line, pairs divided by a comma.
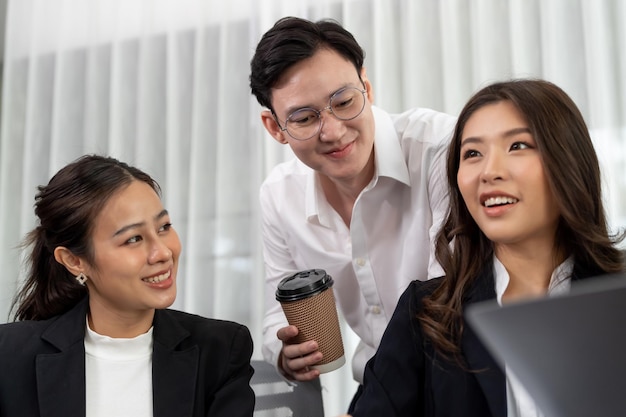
[(573, 174), (66, 209), (292, 40)]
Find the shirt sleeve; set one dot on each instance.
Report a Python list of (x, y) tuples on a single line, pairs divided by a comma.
[(440, 132), (439, 201), (278, 264), (393, 380)]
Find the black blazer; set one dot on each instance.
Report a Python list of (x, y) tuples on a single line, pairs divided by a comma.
[(407, 378), (200, 366)]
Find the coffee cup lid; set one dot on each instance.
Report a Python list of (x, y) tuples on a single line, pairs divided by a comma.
[(303, 284)]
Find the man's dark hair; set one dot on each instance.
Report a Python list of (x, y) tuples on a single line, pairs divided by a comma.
[(291, 40)]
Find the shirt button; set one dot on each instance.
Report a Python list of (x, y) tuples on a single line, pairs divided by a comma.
[(360, 261), (375, 310)]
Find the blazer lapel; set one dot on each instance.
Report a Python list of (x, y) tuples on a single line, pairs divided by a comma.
[(174, 372), (489, 374), (61, 376)]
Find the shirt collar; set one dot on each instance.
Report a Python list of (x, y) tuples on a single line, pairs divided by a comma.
[(317, 208), (117, 348), (559, 281), (390, 160)]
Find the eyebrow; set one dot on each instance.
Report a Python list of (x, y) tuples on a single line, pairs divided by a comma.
[(507, 134), (293, 109), (124, 229)]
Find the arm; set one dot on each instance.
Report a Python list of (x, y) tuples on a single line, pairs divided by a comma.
[(438, 197), (393, 381), (292, 360), (431, 133), (235, 397)]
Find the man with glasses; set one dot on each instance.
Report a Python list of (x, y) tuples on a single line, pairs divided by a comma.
[(362, 200)]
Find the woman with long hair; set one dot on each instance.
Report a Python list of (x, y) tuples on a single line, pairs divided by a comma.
[(526, 219), (93, 334)]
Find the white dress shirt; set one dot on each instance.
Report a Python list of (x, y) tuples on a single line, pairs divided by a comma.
[(391, 236), (519, 402)]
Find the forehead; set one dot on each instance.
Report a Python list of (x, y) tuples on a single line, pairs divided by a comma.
[(494, 119), (313, 80), (134, 203)]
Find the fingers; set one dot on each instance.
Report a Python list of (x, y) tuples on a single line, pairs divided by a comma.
[(296, 359), (287, 333)]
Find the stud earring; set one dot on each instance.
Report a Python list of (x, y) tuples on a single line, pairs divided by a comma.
[(81, 278)]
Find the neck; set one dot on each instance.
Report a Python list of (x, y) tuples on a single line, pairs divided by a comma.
[(341, 193), (116, 325), (530, 269), (341, 196)]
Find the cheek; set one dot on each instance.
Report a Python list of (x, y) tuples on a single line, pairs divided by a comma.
[(174, 245), (549, 200), (465, 183), (365, 122), (302, 148), (537, 182)]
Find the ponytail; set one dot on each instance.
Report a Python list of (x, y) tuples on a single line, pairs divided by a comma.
[(49, 288)]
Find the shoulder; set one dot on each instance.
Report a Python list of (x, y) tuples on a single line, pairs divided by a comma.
[(18, 331), (194, 321), (204, 330), (25, 335), (293, 170), (410, 303), (418, 290), (285, 179), (424, 125)]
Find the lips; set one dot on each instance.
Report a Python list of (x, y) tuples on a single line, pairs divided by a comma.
[(499, 201), (158, 278), (340, 152)]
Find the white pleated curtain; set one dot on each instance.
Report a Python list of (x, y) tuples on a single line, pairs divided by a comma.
[(163, 84)]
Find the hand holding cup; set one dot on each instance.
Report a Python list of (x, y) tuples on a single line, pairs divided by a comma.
[(309, 305), (296, 359)]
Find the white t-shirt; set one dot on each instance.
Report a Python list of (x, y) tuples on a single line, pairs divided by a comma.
[(391, 236), (519, 402), (118, 375)]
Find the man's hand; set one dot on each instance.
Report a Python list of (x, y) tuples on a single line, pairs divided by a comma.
[(295, 359)]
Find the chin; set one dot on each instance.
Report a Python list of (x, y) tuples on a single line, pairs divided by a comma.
[(166, 301)]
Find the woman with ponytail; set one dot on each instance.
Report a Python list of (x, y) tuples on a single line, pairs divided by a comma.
[(93, 334)]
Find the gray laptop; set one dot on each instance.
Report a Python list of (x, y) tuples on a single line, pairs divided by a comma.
[(569, 351)]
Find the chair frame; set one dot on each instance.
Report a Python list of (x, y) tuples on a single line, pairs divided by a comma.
[(304, 399)]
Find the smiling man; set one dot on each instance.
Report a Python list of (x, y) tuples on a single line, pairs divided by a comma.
[(362, 200)]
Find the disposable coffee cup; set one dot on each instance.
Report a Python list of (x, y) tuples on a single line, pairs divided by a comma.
[(309, 304)]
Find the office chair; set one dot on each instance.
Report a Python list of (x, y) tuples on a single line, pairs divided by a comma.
[(274, 393)]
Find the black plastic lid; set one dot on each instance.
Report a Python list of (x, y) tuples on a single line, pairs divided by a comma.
[(303, 284)]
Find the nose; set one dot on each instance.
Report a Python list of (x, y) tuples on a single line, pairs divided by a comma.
[(159, 252), (331, 128), (494, 167)]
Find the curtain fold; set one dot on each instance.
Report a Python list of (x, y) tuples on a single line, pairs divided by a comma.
[(163, 84)]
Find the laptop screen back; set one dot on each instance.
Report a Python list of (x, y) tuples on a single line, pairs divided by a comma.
[(568, 351)]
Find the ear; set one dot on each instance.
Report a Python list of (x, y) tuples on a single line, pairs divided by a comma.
[(269, 121), (368, 86), (74, 264)]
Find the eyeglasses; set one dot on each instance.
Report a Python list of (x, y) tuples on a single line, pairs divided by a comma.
[(345, 104)]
